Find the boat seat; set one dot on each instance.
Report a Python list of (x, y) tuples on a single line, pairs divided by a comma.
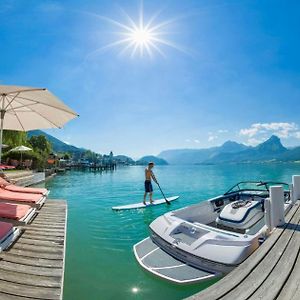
[(241, 214)]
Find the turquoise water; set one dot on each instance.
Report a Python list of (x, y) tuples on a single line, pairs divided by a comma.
[(99, 262)]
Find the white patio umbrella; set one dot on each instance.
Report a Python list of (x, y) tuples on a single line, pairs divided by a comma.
[(20, 149), (27, 108)]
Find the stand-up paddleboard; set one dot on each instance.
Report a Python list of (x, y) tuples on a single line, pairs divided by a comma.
[(142, 205)]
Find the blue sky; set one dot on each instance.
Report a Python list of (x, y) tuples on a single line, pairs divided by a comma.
[(237, 77)]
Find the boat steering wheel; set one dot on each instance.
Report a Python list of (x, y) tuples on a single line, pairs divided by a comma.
[(240, 203)]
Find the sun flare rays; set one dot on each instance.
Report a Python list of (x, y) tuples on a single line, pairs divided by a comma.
[(140, 37)]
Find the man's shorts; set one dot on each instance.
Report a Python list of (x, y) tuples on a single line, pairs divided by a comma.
[(148, 186)]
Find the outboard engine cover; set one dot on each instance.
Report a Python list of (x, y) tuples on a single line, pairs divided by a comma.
[(241, 214)]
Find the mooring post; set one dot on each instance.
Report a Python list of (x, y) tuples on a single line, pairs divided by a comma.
[(296, 188), (277, 205)]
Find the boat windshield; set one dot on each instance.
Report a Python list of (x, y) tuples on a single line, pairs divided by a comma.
[(256, 186)]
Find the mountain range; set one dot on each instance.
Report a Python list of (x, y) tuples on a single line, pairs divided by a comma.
[(197, 156), (60, 146), (271, 150), (232, 152)]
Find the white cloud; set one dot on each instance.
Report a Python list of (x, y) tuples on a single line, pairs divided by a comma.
[(281, 129), (212, 138), (254, 141), (197, 141), (222, 131), (215, 135)]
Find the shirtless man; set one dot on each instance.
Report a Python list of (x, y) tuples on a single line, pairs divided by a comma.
[(148, 185)]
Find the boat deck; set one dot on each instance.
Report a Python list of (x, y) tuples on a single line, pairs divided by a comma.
[(33, 268), (271, 272)]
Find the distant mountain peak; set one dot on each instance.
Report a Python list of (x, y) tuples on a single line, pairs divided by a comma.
[(231, 146), (272, 144), (229, 142), (274, 138)]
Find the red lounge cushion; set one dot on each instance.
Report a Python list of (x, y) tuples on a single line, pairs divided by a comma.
[(13, 211), (4, 229), (15, 188), (16, 196), (20, 189)]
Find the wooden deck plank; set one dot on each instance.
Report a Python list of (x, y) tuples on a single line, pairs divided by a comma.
[(35, 254), (47, 222), (51, 214), (43, 281), (241, 273), (32, 241), (33, 261), (261, 272), (48, 233), (4, 296), (291, 289), (29, 291), (40, 249), (45, 229), (33, 267), (276, 280), (41, 221), (50, 218), (47, 225), (43, 238), (34, 270)]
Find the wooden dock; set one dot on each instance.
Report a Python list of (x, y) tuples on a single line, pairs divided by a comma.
[(95, 167), (33, 268), (271, 272)]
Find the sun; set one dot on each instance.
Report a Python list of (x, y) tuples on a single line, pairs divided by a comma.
[(140, 38)]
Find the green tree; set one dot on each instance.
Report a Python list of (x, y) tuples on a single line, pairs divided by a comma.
[(14, 138), (41, 150), (40, 144), (90, 155), (66, 156)]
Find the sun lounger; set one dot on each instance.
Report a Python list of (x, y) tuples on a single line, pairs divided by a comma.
[(14, 188), (18, 214), (34, 200), (8, 233), (6, 167)]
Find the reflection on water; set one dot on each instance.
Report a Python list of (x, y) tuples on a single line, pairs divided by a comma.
[(100, 263)]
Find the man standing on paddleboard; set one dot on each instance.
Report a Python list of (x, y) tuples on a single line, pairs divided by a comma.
[(148, 184)]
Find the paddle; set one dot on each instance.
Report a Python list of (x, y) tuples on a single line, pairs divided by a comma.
[(168, 202)]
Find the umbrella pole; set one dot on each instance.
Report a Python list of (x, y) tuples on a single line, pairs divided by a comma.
[(1, 132)]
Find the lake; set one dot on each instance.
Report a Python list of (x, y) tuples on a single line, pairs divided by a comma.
[(100, 263)]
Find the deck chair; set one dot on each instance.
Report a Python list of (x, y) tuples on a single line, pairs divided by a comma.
[(15, 188), (17, 214), (34, 200), (8, 234)]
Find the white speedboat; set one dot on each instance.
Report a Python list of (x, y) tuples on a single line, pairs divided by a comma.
[(209, 239)]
